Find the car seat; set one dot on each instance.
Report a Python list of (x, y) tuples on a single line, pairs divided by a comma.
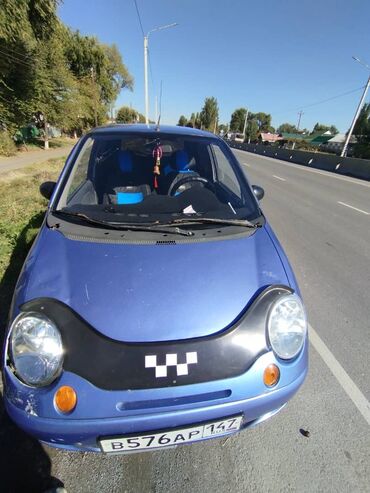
[(124, 182), (175, 173)]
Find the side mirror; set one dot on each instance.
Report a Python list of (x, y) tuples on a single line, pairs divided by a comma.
[(47, 188), (258, 192)]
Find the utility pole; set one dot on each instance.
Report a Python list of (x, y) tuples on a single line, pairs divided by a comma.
[(95, 102), (298, 125), (358, 111), (245, 123)]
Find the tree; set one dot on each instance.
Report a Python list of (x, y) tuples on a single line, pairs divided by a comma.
[(256, 123), (46, 69), (182, 121), (24, 27), (88, 59), (362, 133), (197, 121), (238, 119), (222, 129), (209, 114), (127, 115), (263, 121), (252, 130), (287, 128), (319, 127)]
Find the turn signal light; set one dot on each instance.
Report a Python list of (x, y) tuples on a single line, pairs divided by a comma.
[(65, 399), (271, 375)]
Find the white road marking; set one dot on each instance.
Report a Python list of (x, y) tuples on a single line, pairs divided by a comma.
[(344, 380), (310, 170), (246, 164), (279, 178), (354, 208)]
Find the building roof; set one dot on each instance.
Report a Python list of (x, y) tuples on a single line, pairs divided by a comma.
[(269, 137), (340, 138), (316, 138)]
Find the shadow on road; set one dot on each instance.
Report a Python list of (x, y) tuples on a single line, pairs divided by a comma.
[(24, 465)]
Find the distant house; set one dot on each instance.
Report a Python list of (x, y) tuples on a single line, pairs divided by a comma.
[(336, 143), (269, 138), (316, 139)]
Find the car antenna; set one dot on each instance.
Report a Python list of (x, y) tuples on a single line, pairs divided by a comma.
[(160, 109)]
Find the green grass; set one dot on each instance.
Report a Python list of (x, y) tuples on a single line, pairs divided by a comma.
[(9, 148), (53, 143), (22, 209)]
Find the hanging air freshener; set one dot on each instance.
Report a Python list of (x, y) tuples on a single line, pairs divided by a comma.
[(157, 154)]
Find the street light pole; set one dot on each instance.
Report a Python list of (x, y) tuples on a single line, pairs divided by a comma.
[(358, 111), (146, 89), (146, 80)]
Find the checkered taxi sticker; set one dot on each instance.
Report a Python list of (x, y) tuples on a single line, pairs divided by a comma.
[(151, 361)]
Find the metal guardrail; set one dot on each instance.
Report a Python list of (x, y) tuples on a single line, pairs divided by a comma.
[(359, 168)]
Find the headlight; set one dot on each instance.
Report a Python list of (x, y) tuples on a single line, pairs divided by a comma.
[(35, 349), (287, 326)]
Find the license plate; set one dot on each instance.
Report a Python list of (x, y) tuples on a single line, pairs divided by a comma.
[(170, 438)]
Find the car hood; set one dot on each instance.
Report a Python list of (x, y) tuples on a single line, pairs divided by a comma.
[(146, 293)]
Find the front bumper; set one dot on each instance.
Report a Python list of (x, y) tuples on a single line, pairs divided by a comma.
[(101, 413)]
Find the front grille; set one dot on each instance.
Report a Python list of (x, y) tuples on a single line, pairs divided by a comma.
[(166, 242), (175, 401)]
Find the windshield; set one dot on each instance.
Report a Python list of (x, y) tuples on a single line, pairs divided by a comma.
[(156, 177)]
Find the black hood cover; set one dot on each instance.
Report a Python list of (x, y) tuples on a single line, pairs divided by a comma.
[(114, 365)]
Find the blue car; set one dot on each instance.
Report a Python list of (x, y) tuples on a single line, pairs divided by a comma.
[(156, 306)]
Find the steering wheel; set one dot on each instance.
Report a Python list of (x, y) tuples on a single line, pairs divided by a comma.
[(196, 179)]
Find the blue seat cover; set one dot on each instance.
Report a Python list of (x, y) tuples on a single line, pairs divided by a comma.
[(125, 161)]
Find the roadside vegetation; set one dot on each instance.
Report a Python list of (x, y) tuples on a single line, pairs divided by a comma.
[(51, 77), (253, 124), (22, 210)]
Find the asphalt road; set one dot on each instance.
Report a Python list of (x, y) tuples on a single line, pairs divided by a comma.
[(323, 222)]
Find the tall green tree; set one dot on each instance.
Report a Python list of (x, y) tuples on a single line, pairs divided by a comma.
[(238, 119), (182, 121), (362, 133), (45, 68), (209, 114), (287, 128), (263, 121), (125, 114), (24, 26), (252, 130), (98, 66), (319, 127)]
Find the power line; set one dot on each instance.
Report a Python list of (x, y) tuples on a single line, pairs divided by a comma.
[(14, 58), (333, 97), (320, 102), (12, 50), (139, 17)]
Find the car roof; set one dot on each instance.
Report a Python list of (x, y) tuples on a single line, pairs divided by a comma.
[(142, 128)]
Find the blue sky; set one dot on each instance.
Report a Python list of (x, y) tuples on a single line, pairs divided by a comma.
[(272, 56)]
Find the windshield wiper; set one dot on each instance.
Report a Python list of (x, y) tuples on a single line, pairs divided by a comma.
[(124, 226), (210, 220)]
